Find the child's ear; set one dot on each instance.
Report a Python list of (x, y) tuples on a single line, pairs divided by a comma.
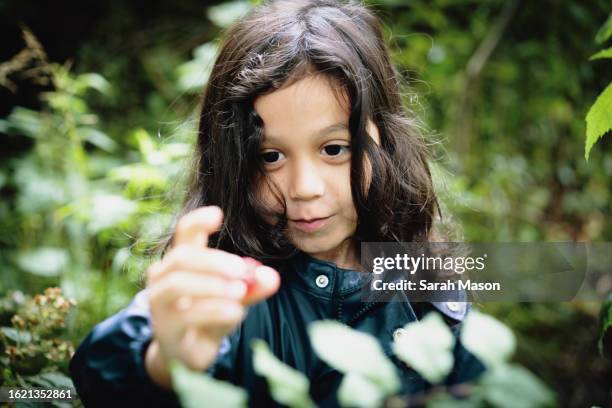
[(372, 130), (367, 175)]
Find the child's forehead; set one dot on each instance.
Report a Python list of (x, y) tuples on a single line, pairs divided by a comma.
[(309, 104), (303, 93), (316, 134)]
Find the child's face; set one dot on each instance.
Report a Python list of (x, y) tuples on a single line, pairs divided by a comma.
[(306, 152)]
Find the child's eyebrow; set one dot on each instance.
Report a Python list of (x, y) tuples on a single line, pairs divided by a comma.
[(328, 129)]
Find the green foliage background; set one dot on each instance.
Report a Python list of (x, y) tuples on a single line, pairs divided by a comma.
[(94, 156)]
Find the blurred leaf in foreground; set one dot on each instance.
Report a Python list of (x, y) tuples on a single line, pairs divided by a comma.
[(427, 346), (487, 338), (287, 385), (340, 347), (197, 390), (357, 391), (509, 385)]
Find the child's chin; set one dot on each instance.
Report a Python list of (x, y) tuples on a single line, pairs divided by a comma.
[(315, 245)]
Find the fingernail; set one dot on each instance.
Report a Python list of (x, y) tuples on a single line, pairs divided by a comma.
[(236, 289), (267, 275), (263, 269)]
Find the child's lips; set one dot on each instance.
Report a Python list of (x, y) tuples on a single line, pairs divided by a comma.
[(310, 225)]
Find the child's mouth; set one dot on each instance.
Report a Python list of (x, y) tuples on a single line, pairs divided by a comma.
[(310, 225)]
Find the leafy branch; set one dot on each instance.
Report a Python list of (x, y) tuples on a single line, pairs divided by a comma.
[(371, 378), (599, 117)]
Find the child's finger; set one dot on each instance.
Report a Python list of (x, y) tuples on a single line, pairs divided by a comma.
[(181, 284), (194, 227), (213, 315), (208, 261), (266, 283)]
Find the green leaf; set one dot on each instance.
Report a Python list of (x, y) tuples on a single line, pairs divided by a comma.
[(605, 31), (93, 81), (487, 338), (140, 176), (51, 379), (474, 400), (513, 386), (148, 148), (351, 351), (16, 336), (144, 141), (194, 74), (197, 390), (427, 347), (121, 258), (176, 150), (25, 121), (225, 14), (65, 102), (607, 53), (108, 210), (598, 119), (4, 126), (357, 391), (44, 261), (605, 321), (287, 385), (40, 190), (97, 138)]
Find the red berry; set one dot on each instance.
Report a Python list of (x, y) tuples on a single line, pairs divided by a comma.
[(250, 280)]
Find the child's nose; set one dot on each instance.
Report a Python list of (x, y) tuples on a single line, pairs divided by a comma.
[(306, 182)]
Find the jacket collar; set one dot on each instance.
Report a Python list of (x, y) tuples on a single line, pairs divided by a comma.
[(323, 278)]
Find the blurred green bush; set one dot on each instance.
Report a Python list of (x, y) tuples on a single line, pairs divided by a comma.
[(96, 171)]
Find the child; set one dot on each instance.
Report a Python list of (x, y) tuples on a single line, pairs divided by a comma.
[(304, 150)]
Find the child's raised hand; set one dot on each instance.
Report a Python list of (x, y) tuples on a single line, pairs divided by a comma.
[(198, 295)]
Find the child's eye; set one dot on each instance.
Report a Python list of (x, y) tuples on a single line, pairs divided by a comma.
[(335, 149), (271, 156)]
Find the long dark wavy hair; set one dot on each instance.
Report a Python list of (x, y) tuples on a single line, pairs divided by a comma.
[(277, 43)]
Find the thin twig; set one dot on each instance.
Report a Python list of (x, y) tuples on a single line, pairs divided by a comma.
[(473, 69)]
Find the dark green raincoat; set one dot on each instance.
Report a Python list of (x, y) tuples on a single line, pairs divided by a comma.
[(108, 366)]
